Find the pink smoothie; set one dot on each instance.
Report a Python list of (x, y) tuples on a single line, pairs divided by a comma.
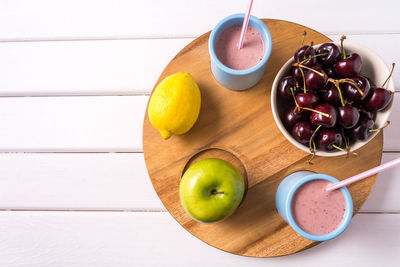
[(316, 211), (226, 48)]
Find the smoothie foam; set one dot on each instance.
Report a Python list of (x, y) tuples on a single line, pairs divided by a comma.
[(226, 48), (316, 211)]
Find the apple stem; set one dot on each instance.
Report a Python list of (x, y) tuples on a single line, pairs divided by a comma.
[(304, 37), (341, 44), (378, 129), (390, 75), (215, 192)]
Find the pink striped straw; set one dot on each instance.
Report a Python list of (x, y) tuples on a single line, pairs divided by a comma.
[(363, 175), (245, 23)]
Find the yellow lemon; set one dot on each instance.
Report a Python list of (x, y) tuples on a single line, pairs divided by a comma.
[(175, 104)]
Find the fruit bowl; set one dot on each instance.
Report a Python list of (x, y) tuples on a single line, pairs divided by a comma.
[(372, 67)]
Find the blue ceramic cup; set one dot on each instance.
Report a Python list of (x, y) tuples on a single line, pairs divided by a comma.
[(238, 79), (286, 191)]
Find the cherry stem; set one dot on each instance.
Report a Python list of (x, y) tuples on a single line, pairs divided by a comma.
[(312, 139), (390, 75), (344, 150), (304, 80), (317, 111), (215, 192), (378, 129), (305, 51), (350, 81), (308, 68), (294, 98), (338, 148), (313, 154), (341, 44), (304, 37), (336, 83), (318, 55)]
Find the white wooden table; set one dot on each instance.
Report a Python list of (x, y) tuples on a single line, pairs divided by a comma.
[(74, 80)]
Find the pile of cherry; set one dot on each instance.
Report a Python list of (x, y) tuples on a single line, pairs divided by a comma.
[(331, 104)]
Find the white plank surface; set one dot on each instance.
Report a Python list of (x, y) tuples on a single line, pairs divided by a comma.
[(117, 67), (74, 19), (73, 181), (60, 124), (154, 239), (43, 52), (84, 67), (93, 124), (116, 182)]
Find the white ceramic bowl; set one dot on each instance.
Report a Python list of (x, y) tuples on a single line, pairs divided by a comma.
[(372, 66)]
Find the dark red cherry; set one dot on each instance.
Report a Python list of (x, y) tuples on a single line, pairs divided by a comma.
[(332, 54), (307, 100), (348, 67), (314, 80), (291, 117), (348, 116), (331, 95), (328, 138), (284, 87), (302, 131), (362, 129), (330, 71), (316, 118), (353, 93), (295, 72), (367, 113), (303, 53), (379, 99)]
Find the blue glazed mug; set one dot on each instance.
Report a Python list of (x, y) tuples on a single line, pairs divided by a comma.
[(283, 201), (238, 79)]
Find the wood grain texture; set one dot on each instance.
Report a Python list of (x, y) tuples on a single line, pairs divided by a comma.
[(242, 123)]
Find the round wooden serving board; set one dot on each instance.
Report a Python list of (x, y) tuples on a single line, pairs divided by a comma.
[(239, 127)]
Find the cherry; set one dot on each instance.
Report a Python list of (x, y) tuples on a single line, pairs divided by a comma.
[(308, 100), (302, 131), (291, 117), (330, 71), (284, 87), (379, 99), (367, 113), (324, 114), (353, 92), (331, 95), (303, 53), (348, 67), (316, 78), (362, 129), (296, 72), (332, 54), (348, 116), (330, 139)]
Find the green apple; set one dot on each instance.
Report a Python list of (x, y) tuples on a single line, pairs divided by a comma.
[(211, 190)]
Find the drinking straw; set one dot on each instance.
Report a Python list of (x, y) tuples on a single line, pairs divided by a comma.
[(245, 23), (363, 175)]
